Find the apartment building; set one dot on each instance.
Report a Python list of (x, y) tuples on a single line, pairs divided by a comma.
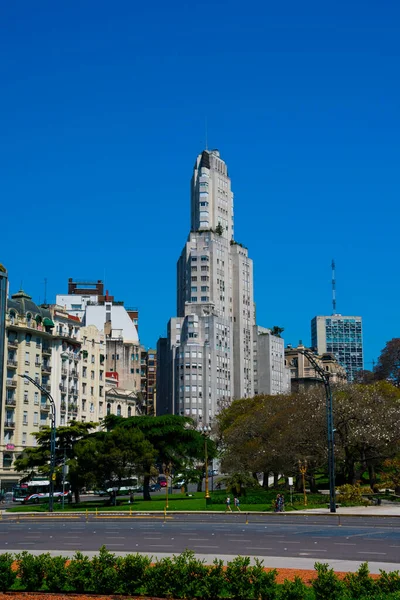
[(271, 375), (148, 375), (302, 373)]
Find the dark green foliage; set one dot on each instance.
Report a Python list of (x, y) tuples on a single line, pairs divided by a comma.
[(294, 590), (32, 570), (360, 584), (132, 572), (56, 574), (239, 579), (7, 575), (389, 582), (161, 580), (79, 574), (327, 586), (263, 582), (215, 581), (105, 572)]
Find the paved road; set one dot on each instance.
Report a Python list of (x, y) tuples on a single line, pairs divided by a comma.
[(317, 537)]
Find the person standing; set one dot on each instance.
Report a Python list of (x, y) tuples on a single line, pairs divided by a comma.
[(236, 502), (228, 504)]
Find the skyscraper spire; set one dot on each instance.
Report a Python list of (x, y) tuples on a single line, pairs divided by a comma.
[(333, 288)]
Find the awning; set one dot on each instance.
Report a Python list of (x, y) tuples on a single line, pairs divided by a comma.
[(48, 322)]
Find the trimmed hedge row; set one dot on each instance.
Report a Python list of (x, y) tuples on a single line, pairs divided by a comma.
[(184, 576)]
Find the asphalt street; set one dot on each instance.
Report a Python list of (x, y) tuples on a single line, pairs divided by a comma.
[(321, 538)]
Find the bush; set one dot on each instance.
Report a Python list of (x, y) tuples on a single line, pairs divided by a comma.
[(7, 575), (133, 573), (326, 586), (360, 584), (105, 573), (32, 570), (215, 581), (56, 574), (238, 577), (79, 574), (350, 494), (389, 582), (294, 590)]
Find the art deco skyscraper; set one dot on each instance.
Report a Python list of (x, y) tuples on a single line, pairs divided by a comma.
[(209, 355)]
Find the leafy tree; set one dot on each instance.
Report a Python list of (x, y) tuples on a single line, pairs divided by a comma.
[(37, 459), (173, 437), (391, 474), (388, 366), (277, 331)]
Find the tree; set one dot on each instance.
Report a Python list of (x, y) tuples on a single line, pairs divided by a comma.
[(37, 459), (277, 331), (173, 437), (388, 366), (391, 474)]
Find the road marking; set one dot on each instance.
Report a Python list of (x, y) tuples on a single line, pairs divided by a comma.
[(311, 550), (242, 540), (342, 544), (205, 546), (381, 553), (152, 538), (24, 543), (73, 544), (286, 542), (116, 537), (160, 545), (257, 548), (198, 540), (115, 544), (321, 537)]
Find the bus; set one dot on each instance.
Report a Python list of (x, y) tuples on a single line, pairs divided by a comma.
[(33, 492)]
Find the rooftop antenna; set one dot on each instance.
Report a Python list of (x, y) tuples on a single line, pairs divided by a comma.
[(45, 291), (333, 288)]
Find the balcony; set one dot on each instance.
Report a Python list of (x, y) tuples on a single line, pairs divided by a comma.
[(77, 357), (11, 383), (64, 372), (46, 386), (44, 406), (46, 350), (9, 424), (75, 374), (37, 363), (63, 407), (11, 402), (13, 343), (46, 369), (63, 388), (12, 363)]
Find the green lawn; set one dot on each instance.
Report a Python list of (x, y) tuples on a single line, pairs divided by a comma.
[(261, 501)]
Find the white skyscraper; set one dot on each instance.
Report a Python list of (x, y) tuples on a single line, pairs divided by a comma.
[(209, 355)]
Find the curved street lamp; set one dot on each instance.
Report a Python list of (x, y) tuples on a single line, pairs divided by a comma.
[(329, 422), (52, 437)]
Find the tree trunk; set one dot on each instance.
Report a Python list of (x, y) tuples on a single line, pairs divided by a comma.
[(265, 480), (276, 479), (77, 496), (146, 486), (312, 484), (372, 476), (200, 484)]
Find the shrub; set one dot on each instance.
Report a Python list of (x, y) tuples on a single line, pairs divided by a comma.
[(133, 573), (389, 582), (79, 574), (238, 577), (32, 570), (360, 584), (215, 581), (7, 575), (161, 579), (350, 493), (105, 572), (181, 576), (294, 590), (263, 582), (56, 574), (326, 586)]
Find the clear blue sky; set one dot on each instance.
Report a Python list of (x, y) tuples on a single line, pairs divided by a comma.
[(103, 108)]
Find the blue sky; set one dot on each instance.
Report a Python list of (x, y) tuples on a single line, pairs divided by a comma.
[(103, 110)]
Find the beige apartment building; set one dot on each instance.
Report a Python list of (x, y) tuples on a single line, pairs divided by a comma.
[(302, 373)]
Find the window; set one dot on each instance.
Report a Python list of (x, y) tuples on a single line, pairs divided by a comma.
[(109, 409), (193, 299), (100, 408), (23, 438), (91, 407), (129, 411), (84, 372), (27, 358), (91, 374), (25, 418), (92, 358), (26, 400), (35, 418), (101, 375), (83, 404), (119, 410), (7, 461), (92, 391), (101, 391), (194, 288), (83, 388)]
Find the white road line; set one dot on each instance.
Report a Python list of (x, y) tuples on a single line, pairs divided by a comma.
[(342, 544), (198, 540), (205, 546), (257, 548), (381, 553), (152, 538), (311, 550), (286, 542), (160, 545), (242, 540)]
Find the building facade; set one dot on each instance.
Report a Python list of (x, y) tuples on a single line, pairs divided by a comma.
[(341, 336), (271, 375), (210, 342), (148, 375), (302, 372), (3, 310)]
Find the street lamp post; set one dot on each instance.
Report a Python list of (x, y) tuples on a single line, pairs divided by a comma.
[(167, 469), (205, 431), (303, 471), (52, 437), (329, 422)]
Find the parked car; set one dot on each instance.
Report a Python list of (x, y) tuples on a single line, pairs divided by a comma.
[(154, 487), (101, 493)]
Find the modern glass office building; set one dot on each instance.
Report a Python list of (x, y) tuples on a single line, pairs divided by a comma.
[(341, 335)]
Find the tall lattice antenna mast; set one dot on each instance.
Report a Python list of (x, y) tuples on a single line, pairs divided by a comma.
[(333, 288)]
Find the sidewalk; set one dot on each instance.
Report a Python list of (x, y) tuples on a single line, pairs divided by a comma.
[(385, 510)]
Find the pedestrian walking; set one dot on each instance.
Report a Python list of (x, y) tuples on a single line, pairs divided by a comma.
[(228, 504), (282, 503), (236, 502)]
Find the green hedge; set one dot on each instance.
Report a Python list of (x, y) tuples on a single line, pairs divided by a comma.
[(184, 576)]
